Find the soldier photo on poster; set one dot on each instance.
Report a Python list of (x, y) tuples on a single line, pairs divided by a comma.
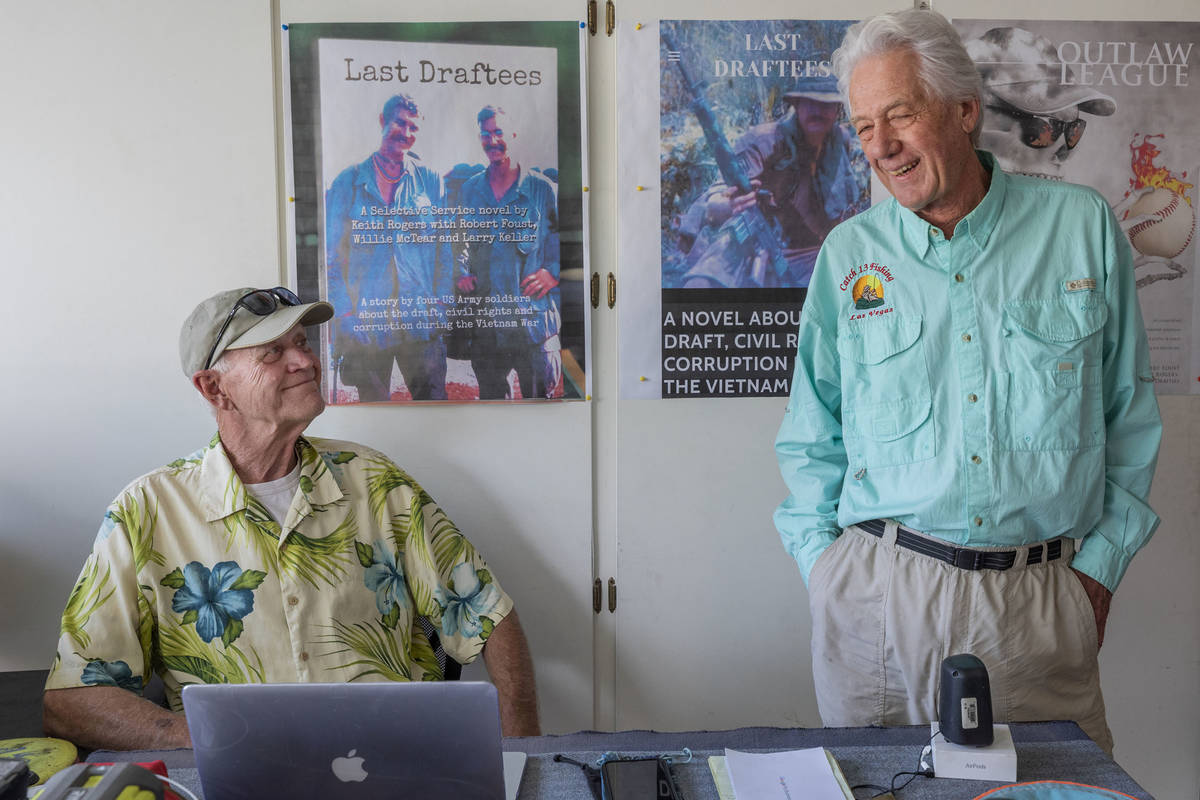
[(1112, 105), (758, 164), (441, 233)]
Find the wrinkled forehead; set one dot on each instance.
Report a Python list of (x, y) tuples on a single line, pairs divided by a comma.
[(885, 81)]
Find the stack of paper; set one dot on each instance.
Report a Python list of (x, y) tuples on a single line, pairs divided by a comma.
[(810, 774)]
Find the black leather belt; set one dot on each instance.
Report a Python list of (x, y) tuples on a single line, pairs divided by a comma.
[(964, 557)]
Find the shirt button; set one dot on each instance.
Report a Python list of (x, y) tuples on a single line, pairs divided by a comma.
[(978, 521), (304, 656), (976, 459), (972, 398), (293, 600), (966, 337), (958, 278)]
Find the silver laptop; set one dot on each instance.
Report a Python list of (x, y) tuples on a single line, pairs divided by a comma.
[(359, 740)]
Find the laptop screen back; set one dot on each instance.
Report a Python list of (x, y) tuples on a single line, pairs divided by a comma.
[(362, 740)]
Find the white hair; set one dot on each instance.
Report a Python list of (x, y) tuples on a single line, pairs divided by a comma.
[(946, 72)]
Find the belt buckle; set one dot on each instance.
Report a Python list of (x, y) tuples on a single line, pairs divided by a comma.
[(967, 559)]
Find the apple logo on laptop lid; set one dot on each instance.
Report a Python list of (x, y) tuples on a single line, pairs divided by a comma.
[(349, 767)]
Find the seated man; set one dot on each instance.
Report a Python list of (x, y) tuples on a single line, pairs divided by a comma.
[(270, 557)]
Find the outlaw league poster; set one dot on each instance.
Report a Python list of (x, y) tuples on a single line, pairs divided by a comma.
[(1112, 105), (756, 163), (438, 207)]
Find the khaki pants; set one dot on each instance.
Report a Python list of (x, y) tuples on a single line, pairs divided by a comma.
[(884, 617)]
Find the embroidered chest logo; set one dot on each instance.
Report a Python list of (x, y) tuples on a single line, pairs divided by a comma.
[(867, 292), (866, 286)]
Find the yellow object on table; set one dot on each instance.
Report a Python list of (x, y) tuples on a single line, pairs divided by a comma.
[(44, 756)]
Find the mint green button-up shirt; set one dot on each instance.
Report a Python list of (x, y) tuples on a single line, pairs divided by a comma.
[(991, 389)]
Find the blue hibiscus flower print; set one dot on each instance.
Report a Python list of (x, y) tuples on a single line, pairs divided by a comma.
[(217, 599), (101, 673), (469, 601), (385, 577)]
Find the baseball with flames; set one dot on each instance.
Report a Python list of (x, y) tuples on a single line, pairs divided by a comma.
[(1170, 227)]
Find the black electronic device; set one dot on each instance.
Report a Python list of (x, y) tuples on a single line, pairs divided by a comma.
[(637, 779), (965, 701), (15, 778)]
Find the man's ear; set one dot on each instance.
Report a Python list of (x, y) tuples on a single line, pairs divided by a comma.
[(208, 384), (970, 113)]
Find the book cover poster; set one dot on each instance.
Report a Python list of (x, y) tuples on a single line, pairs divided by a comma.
[(442, 183), (1113, 105), (757, 164)]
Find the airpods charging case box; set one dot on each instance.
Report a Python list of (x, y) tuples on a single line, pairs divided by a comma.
[(995, 762)]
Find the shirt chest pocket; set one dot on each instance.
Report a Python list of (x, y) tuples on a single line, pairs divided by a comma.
[(886, 398), (1052, 391)]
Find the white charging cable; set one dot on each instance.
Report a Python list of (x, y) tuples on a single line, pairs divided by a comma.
[(177, 787)]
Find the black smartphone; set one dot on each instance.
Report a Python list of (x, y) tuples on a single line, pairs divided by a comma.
[(637, 779)]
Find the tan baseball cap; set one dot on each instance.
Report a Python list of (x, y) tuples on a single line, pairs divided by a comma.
[(1023, 69), (238, 326)]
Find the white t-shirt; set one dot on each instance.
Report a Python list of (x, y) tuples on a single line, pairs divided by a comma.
[(277, 495)]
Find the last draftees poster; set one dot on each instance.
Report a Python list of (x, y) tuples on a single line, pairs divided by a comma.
[(1112, 105), (757, 165), (440, 189)]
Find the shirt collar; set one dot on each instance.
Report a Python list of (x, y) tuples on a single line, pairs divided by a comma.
[(365, 174), (322, 486), (976, 226), (223, 493), (520, 186)]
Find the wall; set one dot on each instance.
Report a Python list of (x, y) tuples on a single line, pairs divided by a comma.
[(139, 144)]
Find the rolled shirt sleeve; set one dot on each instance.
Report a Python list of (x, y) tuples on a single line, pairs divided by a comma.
[(104, 634)]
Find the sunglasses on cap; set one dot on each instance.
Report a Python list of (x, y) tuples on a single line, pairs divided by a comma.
[(1040, 132), (260, 303)]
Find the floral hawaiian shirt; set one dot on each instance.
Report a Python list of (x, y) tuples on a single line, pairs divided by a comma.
[(191, 578)]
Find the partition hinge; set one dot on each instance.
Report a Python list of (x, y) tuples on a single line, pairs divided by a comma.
[(610, 17), (591, 17), (612, 290), (612, 595), (595, 290), (596, 591)]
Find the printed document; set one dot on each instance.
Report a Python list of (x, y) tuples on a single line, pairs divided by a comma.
[(790, 775)]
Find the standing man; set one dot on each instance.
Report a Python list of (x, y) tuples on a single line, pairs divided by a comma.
[(800, 167), (380, 251), (271, 557), (512, 262), (972, 428)]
